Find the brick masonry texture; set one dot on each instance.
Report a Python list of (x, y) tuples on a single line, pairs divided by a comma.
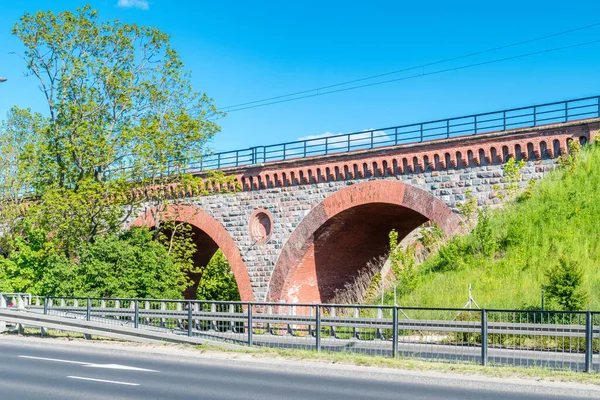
[(447, 170)]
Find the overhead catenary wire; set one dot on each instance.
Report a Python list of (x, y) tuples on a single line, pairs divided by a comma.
[(497, 60), (520, 43)]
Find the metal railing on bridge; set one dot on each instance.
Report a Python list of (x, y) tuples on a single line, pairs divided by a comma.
[(496, 121), (549, 339)]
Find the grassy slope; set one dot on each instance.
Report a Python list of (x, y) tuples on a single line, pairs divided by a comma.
[(561, 217)]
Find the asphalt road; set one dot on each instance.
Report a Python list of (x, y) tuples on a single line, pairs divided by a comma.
[(39, 370)]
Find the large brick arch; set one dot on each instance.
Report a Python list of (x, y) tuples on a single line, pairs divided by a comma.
[(329, 239), (212, 233)]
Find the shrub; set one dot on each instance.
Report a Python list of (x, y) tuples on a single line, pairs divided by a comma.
[(564, 285)]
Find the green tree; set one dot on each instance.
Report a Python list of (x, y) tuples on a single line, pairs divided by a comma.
[(120, 108), (564, 285), (218, 282), (122, 126)]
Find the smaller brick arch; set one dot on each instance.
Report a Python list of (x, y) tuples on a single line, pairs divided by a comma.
[(206, 223)]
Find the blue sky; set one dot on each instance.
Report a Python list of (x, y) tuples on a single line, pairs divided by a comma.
[(245, 51)]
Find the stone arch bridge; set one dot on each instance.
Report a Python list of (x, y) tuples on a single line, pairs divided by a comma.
[(301, 228)]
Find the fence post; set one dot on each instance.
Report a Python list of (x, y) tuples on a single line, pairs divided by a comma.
[(589, 337), (395, 332), (45, 305), (318, 327), (484, 337), (250, 332), (88, 311), (136, 322), (190, 319)]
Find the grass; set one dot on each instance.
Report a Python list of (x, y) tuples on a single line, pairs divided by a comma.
[(560, 216), (412, 364)]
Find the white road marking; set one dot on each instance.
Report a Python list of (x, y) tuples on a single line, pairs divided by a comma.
[(103, 381), (118, 366), (55, 360), (91, 365)]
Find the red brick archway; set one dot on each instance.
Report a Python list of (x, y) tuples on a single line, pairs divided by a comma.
[(209, 236), (346, 230)]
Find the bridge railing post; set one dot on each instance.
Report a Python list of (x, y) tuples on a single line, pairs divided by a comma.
[(589, 338), (396, 135), (484, 336), (318, 327), (395, 332), (190, 322), (46, 300), (88, 310), (250, 323), (136, 321)]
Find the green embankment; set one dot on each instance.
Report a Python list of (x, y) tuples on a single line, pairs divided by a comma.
[(506, 257)]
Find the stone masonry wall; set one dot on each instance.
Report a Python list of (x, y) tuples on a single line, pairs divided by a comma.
[(289, 205)]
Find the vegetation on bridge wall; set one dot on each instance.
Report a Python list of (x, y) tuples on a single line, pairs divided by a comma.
[(545, 238)]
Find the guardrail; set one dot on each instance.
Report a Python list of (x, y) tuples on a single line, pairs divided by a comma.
[(496, 121), (550, 339)]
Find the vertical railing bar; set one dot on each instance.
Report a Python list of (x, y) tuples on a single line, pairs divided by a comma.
[(190, 319), (566, 111), (372, 133), (447, 129), (250, 323), (475, 119), (504, 120), (421, 132), (326, 145), (396, 131), (318, 327), (484, 337), (136, 322), (534, 116), (88, 313), (589, 337), (395, 332)]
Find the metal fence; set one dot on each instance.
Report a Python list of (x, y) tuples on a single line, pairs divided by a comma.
[(557, 340), (497, 121)]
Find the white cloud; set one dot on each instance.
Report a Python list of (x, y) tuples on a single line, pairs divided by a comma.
[(139, 4), (321, 136)]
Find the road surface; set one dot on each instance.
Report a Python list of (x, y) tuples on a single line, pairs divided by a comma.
[(47, 369)]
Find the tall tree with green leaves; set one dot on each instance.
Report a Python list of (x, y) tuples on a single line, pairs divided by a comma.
[(120, 109), (121, 126)]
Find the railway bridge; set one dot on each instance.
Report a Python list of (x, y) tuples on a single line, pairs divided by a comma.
[(310, 214)]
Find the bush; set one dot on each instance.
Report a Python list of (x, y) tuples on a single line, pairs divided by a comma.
[(564, 285), (218, 282)]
